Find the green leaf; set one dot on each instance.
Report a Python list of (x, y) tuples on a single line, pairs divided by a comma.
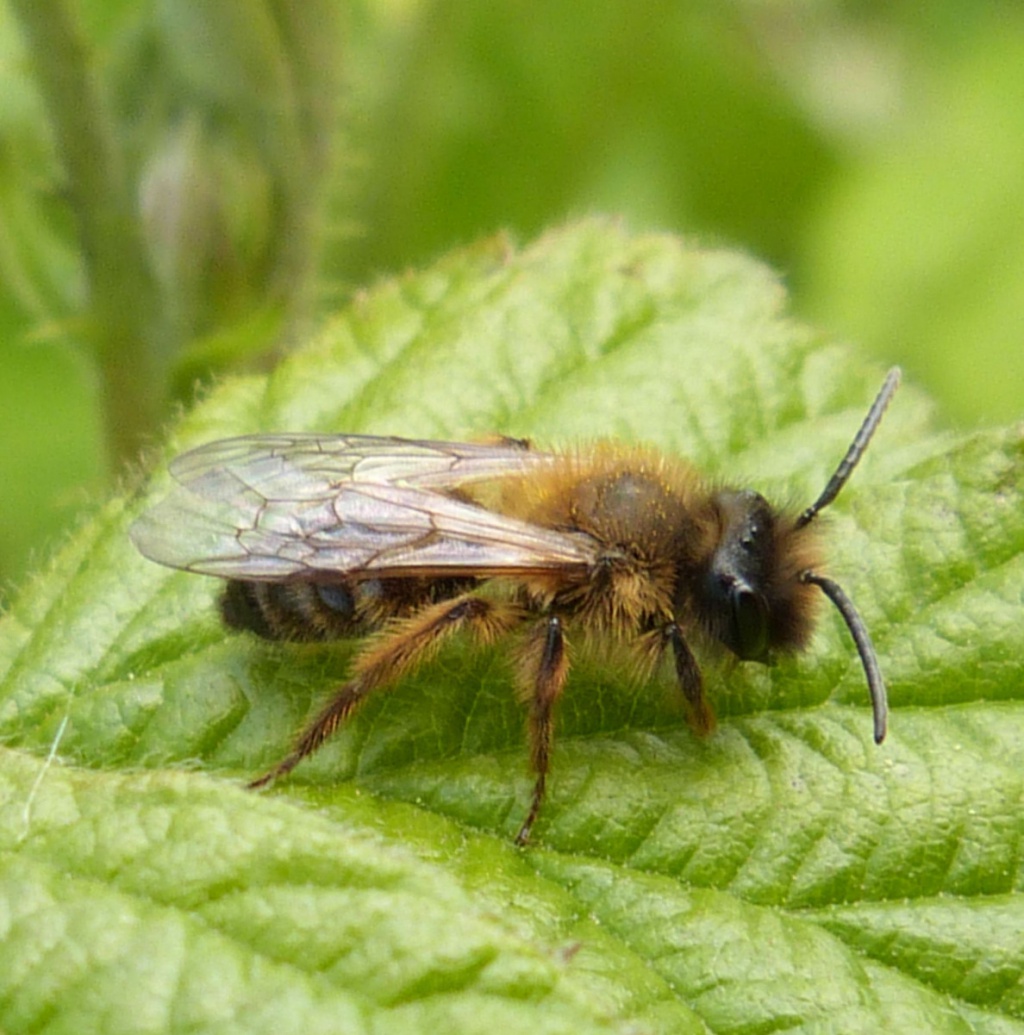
[(785, 873)]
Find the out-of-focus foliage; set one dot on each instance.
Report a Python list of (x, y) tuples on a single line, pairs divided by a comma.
[(275, 157)]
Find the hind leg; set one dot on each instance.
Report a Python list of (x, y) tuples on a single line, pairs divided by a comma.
[(398, 650)]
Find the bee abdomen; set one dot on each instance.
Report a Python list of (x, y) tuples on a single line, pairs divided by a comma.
[(310, 611), (291, 611)]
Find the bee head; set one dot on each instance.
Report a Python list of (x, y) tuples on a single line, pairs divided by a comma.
[(751, 596), (756, 592)]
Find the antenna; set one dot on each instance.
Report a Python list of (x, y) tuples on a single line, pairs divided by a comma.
[(865, 648), (856, 450), (832, 589)]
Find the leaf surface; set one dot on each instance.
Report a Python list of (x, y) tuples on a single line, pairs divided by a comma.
[(784, 874)]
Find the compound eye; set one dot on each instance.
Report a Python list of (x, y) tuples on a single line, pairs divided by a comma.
[(750, 624)]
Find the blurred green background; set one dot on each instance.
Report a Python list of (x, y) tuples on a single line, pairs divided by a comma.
[(185, 189)]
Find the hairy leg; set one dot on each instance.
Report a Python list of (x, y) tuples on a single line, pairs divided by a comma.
[(396, 651), (544, 666), (651, 649)]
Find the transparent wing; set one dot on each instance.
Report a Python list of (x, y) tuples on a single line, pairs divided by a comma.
[(285, 464), (280, 507)]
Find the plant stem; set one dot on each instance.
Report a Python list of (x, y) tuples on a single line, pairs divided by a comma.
[(312, 35), (121, 322)]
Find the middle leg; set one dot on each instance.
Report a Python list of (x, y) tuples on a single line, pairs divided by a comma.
[(544, 667)]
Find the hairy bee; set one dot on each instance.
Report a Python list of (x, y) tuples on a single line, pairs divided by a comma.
[(329, 536)]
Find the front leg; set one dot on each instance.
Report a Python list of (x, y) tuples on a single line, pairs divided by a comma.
[(544, 666), (700, 715)]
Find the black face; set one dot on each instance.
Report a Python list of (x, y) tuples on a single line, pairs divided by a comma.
[(735, 586)]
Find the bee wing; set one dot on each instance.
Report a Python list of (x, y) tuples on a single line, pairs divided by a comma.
[(289, 463), (279, 507)]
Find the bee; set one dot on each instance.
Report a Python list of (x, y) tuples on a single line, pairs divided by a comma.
[(408, 543)]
